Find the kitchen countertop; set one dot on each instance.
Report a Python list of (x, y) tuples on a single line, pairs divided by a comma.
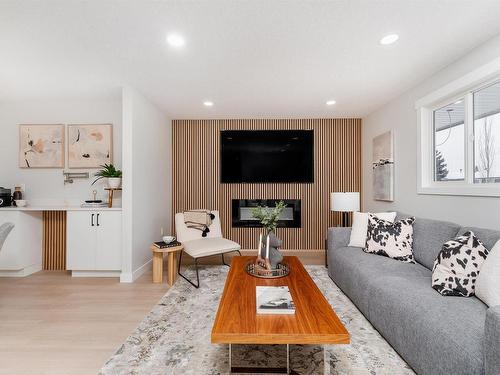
[(58, 208)]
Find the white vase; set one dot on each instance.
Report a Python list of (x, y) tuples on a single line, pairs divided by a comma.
[(114, 182)]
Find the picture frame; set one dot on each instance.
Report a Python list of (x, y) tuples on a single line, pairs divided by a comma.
[(383, 167), (41, 146), (89, 145)]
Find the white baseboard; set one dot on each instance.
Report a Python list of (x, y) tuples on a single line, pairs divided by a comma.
[(95, 273), (130, 277), (22, 272)]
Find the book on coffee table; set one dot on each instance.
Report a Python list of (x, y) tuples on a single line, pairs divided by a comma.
[(274, 300)]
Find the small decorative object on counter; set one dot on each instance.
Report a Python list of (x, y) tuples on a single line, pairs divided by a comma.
[(18, 195), (20, 203), (94, 203), (113, 175), (94, 200)]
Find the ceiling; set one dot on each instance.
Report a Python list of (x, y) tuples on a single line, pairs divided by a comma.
[(255, 58)]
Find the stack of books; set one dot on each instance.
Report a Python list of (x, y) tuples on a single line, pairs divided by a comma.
[(163, 245), (274, 300)]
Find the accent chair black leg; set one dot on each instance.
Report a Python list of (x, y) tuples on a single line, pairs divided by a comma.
[(223, 261), (197, 285)]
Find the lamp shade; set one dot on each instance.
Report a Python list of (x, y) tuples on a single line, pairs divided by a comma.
[(344, 202)]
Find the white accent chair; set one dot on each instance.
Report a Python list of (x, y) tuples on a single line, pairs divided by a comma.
[(5, 229), (198, 247)]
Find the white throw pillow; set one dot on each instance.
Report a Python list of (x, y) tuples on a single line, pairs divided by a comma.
[(488, 281), (360, 226)]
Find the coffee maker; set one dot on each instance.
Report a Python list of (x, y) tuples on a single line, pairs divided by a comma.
[(5, 197)]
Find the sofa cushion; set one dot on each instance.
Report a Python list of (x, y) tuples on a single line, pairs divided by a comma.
[(354, 271), (457, 266), (437, 335), (393, 240), (209, 246), (429, 237)]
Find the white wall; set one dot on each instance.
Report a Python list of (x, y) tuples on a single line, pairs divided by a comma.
[(46, 185), (147, 183), (400, 116)]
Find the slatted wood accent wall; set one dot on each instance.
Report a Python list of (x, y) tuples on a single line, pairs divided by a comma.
[(54, 240), (196, 180)]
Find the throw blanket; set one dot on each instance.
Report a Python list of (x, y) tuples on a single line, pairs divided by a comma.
[(199, 219)]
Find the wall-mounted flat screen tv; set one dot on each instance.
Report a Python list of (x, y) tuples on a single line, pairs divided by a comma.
[(267, 156)]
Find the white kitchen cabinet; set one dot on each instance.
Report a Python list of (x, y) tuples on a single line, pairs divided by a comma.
[(93, 241)]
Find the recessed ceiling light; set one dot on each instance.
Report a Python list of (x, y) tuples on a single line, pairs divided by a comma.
[(208, 103), (175, 40), (331, 102), (389, 39)]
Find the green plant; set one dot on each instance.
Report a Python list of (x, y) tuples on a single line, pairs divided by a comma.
[(107, 171), (268, 217)]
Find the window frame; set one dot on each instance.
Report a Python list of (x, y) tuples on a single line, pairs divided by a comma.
[(462, 88)]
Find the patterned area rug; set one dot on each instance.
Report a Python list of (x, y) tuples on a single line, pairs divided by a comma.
[(175, 338)]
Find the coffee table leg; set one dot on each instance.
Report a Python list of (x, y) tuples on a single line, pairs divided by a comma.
[(288, 359), (258, 370)]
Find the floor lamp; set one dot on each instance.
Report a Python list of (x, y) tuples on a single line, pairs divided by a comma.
[(345, 203)]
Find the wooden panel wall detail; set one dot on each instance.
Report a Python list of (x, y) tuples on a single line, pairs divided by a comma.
[(337, 167), (54, 240)]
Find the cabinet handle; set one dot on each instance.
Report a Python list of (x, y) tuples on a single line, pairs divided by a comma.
[(98, 219), (92, 219)]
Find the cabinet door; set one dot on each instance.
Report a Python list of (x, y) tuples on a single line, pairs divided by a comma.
[(109, 241), (81, 240)]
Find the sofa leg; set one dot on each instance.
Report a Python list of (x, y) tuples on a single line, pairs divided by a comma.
[(197, 285), (326, 253)]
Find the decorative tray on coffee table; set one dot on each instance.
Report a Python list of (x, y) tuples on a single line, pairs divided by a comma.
[(253, 269)]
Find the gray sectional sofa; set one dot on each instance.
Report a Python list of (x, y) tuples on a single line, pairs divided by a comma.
[(434, 334)]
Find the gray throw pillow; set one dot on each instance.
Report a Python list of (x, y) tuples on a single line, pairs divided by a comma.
[(457, 266), (393, 240)]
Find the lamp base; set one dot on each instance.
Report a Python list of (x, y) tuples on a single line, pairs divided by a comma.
[(345, 219)]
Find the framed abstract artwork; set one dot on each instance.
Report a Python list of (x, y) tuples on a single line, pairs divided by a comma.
[(383, 167), (41, 146), (90, 146)]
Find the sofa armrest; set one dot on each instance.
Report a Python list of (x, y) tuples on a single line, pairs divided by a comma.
[(492, 341), (338, 237)]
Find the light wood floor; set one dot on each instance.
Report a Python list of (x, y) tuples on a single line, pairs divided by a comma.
[(51, 323)]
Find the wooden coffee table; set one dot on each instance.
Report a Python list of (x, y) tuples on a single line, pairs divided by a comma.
[(237, 321)]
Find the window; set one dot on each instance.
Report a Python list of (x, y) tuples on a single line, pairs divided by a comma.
[(459, 134), (449, 136), (487, 134)]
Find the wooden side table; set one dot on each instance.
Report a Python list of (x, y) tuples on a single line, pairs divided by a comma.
[(158, 263)]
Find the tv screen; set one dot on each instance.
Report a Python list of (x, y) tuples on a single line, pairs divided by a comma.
[(267, 156)]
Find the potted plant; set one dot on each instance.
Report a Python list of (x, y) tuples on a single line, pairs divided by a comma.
[(269, 217), (113, 175)]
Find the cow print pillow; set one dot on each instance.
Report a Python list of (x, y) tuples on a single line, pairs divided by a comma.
[(393, 240), (457, 266)]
